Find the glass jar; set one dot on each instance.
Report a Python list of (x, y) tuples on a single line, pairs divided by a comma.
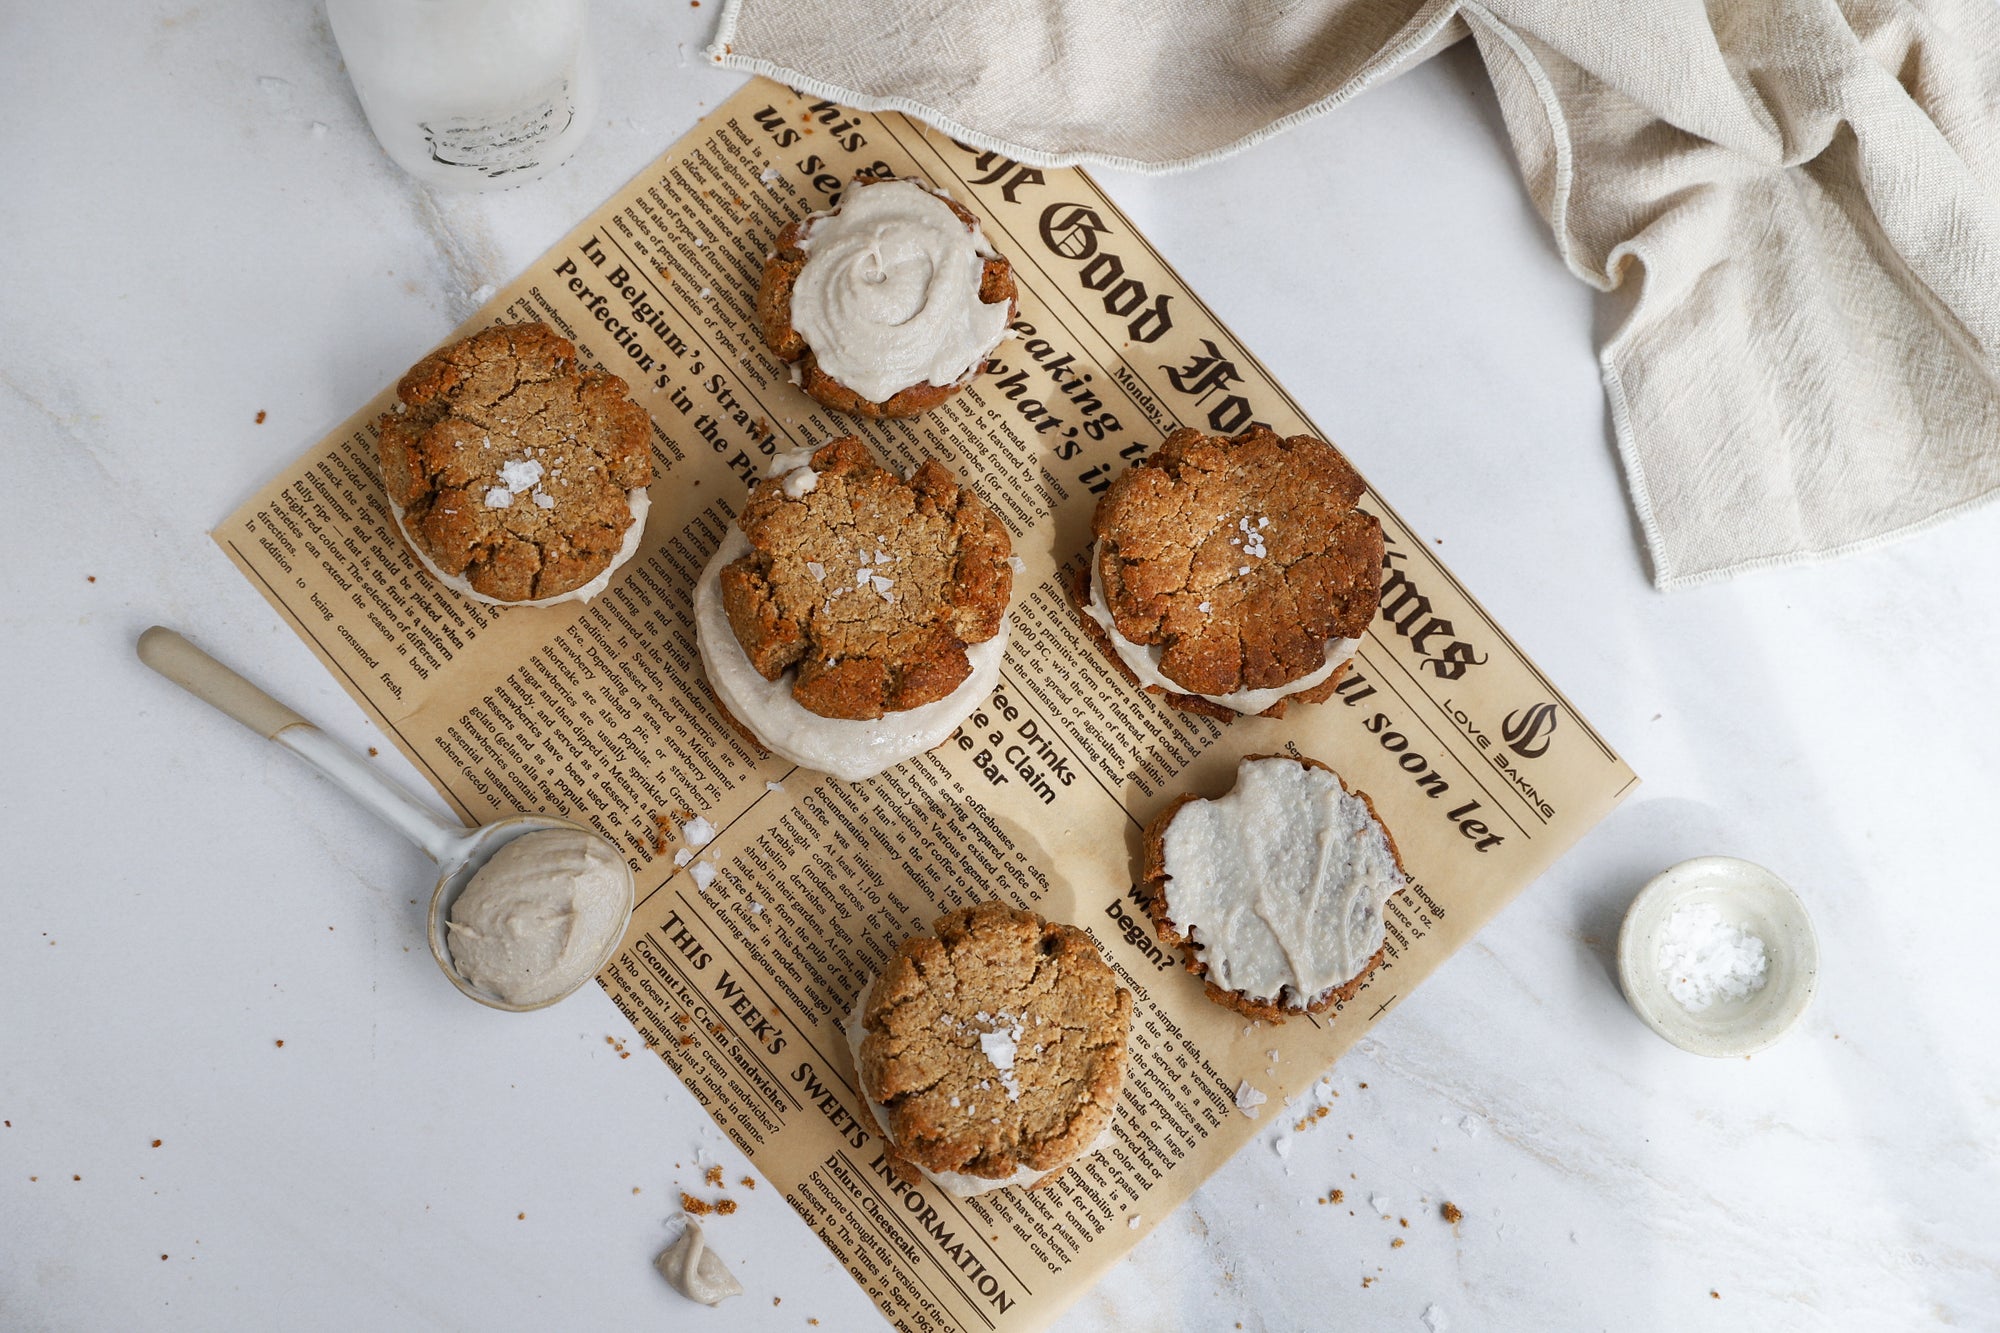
[(470, 94)]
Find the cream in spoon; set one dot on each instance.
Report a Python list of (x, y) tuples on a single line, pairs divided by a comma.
[(538, 918)]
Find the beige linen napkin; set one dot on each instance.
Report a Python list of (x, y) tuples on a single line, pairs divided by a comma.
[(1805, 197)]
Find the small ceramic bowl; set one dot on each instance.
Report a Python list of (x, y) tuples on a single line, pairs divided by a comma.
[(1750, 898)]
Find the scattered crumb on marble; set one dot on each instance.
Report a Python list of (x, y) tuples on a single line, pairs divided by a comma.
[(1452, 1213), (748, 1183), (725, 1206), (260, 421), (1712, 1295), (520, 1217), (156, 1142), (281, 1041), (1397, 1243), (712, 1177)]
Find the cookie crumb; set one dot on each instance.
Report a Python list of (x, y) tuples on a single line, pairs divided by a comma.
[(725, 1206), (1452, 1213), (156, 1142), (712, 1176), (91, 577), (281, 1041), (747, 1183), (520, 1217), (1712, 1295), (260, 421), (373, 752), (694, 1207), (1339, 1196), (1397, 1243)]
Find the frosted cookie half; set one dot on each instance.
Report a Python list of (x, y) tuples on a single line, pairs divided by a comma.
[(1274, 892), (992, 1052)]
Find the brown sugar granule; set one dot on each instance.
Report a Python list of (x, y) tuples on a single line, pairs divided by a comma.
[(76, 1177), (260, 421), (717, 1030), (635, 1189), (163, 1258), (687, 1040), (520, 1217), (747, 1183), (682, 1019), (1396, 1244), (694, 1207), (725, 1206), (713, 1176), (91, 577), (662, 834), (1452, 1213), (1713, 1295), (281, 1041), (1367, 1282), (1339, 1196), (156, 1143), (1363, 1085), (1402, 1221), (373, 752)]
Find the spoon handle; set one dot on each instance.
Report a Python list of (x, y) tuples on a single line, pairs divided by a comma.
[(216, 685)]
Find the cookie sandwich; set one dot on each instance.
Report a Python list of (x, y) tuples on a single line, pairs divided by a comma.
[(1275, 892), (1233, 575), (515, 477), (888, 304), (992, 1051), (851, 618)]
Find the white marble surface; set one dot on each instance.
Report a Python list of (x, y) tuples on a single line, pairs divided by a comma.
[(186, 247)]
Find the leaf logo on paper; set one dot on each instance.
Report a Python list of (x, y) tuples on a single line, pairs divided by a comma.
[(1527, 730)]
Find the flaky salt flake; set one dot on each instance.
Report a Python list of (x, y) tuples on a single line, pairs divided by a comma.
[(768, 174), (774, 786), (884, 558), (1470, 1126), (1434, 1319), (520, 474), (1017, 564), (682, 857), (1204, 608), (543, 500), (1248, 1099), (862, 576), (757, 908), (816, 569), (703, 292), (1133, 1222), (499, 498), (1282, 1145), (1382, 1204), (882, 585), (1243, 569), (704, 873), (698, 831)]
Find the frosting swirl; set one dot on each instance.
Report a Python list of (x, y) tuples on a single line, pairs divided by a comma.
[(889, 295)]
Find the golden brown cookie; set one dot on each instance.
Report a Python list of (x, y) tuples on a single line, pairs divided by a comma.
[(994, 1048), (1240, 558), (869, 585), (510, 470), (1154, 879), (774, 319)]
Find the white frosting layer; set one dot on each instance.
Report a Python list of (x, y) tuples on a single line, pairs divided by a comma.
[(1144, 658), (537, 919), (1282, 882), (889, 295), (638, 498), (847, 749), (955, 1182)]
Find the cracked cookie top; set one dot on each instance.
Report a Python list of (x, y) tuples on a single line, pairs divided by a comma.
[(994, 1045), (889, 303), (510, 468), (1240, 557), (869, 585)]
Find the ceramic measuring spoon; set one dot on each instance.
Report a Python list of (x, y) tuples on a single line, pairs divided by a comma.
[(459, 851)]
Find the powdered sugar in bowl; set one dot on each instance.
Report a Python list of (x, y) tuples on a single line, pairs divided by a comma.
[(1718, 956)]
